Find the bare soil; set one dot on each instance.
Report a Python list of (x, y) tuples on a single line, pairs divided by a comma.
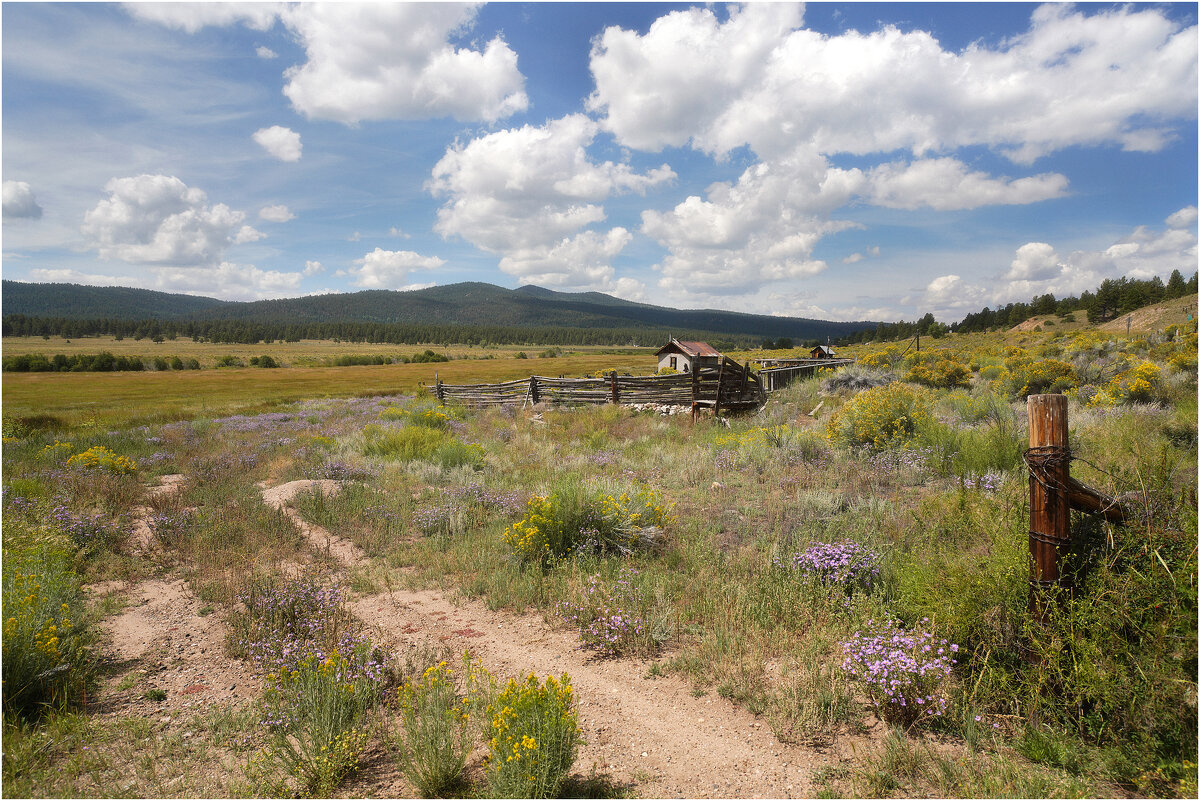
[(651, 735)]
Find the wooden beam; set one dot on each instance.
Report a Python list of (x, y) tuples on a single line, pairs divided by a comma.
[(1085, 499)]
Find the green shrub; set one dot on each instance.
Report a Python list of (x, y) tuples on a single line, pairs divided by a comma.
[(533, 734), (47, 661), (404, 444)]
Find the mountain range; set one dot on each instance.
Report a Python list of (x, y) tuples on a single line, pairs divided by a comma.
[(466, 304)]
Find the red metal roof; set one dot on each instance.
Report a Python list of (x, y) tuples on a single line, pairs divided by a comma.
[(689, 348)]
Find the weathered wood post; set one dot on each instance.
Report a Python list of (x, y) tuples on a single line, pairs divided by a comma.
[(441, 394), (695, 393), (1048, 459), (720, 380), (616, 397), (534, 395)]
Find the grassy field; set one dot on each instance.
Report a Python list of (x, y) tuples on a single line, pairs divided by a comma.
[(106, 399), (778, 560), (306, 352)]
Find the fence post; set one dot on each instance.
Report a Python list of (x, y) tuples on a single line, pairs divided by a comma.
[(441, 395), (533, 390), (1048, 459), (720, 378), (616, 397)]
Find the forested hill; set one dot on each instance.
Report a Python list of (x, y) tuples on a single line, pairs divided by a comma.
[(80, 302), (465, 304)]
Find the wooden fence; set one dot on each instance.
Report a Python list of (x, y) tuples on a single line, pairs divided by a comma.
[(779, 373), (727, 385)]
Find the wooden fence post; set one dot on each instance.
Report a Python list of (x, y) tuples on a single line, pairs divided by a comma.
[(720, 378), (533, 390), (1048, 459)]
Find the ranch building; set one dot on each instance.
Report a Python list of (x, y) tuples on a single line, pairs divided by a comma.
[(685, 357), (823, 352)]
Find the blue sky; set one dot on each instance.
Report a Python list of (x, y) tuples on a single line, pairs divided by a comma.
[(840, 161)]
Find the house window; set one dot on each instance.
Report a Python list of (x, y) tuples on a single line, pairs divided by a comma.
[(674, 363)]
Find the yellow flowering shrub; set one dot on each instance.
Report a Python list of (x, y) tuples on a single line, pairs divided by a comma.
[(942, 372), (46, 657), (317, 711), (435, 733), (572, 519), (1037, 377), (101, 458), (533, 734), (57, 452), (880, 418)]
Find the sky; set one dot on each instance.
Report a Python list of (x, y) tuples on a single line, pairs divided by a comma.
[(841, 161)]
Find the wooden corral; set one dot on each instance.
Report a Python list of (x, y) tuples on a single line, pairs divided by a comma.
[(726, 385)]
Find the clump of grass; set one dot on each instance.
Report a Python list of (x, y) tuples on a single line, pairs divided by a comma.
[(420, 443), (856, 378), (533, 734)]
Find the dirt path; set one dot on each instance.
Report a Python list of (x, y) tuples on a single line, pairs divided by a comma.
[(166, 641), (650, 734)]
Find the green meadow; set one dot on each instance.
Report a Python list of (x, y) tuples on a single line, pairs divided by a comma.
[(849, 564)]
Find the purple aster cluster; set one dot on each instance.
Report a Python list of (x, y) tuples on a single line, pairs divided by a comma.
[(434, 519), (170, 528), (725, 460), (84, 530), (988, 482), (845, 563), (904, 671), (603, 458), (286, 622), (509, 502), (912, 460), (608, 619)]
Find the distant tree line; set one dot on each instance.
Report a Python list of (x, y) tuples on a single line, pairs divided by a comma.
[(103, 362), (250, 333), (1114, 297)]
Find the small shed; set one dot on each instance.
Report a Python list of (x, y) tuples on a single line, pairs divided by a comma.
[(686, 356), (822, 352)]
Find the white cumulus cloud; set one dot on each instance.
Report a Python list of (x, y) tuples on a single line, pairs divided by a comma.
[(313, 267), (1035, 261), (282, 143), (377, 61), (529, 193), (758, 79), (157, 219), (761, 229), (19, 201), (944, 184), (266, 53), (277, 214), (389, 269)]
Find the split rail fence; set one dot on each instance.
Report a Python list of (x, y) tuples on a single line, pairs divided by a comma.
[(779, 373), (727, 385)]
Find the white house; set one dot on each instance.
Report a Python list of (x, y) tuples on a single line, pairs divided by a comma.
[(686, 356)]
